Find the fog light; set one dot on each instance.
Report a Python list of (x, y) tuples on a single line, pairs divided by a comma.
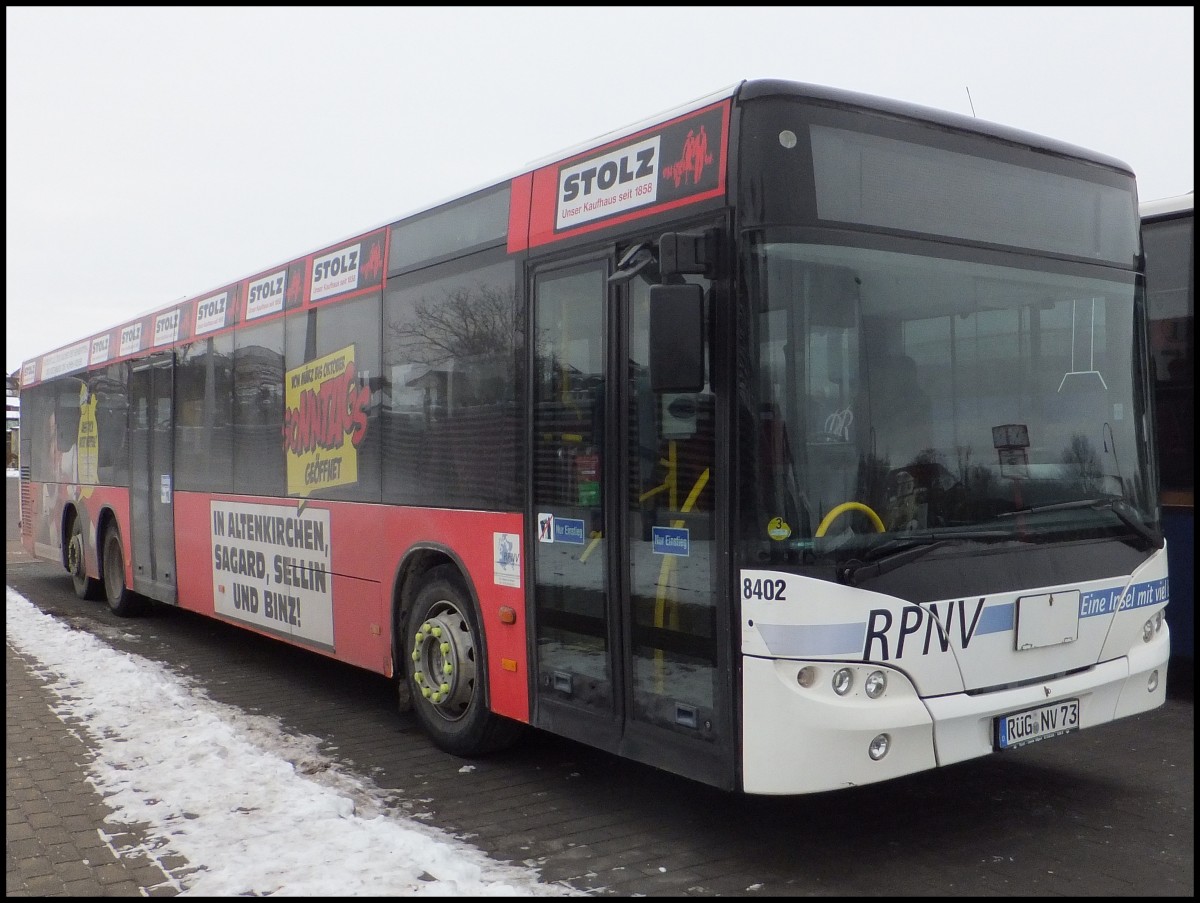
[(843, 679), (1152, 681), (879, 747), (1148, 631), (806, 676), (876, 684)]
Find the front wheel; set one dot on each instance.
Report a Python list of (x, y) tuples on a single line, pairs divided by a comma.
[(123, 601), (446, 674), (85, 587)]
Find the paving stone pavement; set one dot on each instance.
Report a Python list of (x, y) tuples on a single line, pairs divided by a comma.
[(56, 840)]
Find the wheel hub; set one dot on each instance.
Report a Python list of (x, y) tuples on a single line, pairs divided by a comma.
[(443, 657), (75, 554)]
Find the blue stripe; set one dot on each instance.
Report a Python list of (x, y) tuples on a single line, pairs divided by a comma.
[(1107, 601), (997, 618), (839, 639)]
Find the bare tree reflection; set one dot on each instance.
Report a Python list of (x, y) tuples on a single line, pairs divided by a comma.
[(465, 323), (454, 349)]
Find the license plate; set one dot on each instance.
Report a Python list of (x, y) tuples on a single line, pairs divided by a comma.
[(1031, 725)]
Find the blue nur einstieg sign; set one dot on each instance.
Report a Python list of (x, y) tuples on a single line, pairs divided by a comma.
[(671, 541)]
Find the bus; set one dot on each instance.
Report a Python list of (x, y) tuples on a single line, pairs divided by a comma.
[(1168, 239), (791, 440)]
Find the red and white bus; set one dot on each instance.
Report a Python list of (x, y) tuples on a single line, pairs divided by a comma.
[(792, 440)]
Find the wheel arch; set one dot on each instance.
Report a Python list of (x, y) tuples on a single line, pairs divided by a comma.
[(415, 564), (105, 521), (69, 513)]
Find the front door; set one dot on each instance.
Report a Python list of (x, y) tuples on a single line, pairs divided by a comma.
[(630, 634), (151, 475)]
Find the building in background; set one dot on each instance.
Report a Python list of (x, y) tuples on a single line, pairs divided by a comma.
[(12, 418)]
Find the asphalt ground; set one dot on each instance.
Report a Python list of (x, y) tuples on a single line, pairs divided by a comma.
[(1103, 812)]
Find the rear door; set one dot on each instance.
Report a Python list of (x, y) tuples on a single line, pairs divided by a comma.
[(151, 477)]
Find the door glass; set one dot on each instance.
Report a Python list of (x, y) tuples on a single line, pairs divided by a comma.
[(672, 566), (161, 488), (151, 490), (571, 555), (140, 424)]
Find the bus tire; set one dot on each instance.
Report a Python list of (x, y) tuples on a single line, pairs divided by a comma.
[(446, 672), (85, 587), (123, 601)]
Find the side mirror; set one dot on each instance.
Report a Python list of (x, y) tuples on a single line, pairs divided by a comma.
[(676, 338), (688, 252)]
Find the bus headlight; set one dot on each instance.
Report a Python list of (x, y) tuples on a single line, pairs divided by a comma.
[(806, 676), (843, 680), (876, 683), (1148, 631)]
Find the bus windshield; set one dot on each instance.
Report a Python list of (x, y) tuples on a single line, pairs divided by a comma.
[(895, 395)]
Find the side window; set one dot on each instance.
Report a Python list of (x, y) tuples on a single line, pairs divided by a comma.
[(1169, 294), (203, 414), (569, 388), (457, 229), (53, 419), (333, 365), (258, 464), (40, 430), (109, 397), (454, 340)]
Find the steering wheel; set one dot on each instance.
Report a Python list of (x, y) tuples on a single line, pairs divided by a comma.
[(850, 506)]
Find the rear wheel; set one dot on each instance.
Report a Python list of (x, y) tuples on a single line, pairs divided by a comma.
[(121, 599), (85, 587), (446, 675)]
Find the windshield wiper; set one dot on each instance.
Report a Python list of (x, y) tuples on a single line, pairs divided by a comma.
[(1114, 503), (898, 552)]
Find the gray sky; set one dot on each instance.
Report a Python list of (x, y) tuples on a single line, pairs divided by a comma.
[(154, 154)]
